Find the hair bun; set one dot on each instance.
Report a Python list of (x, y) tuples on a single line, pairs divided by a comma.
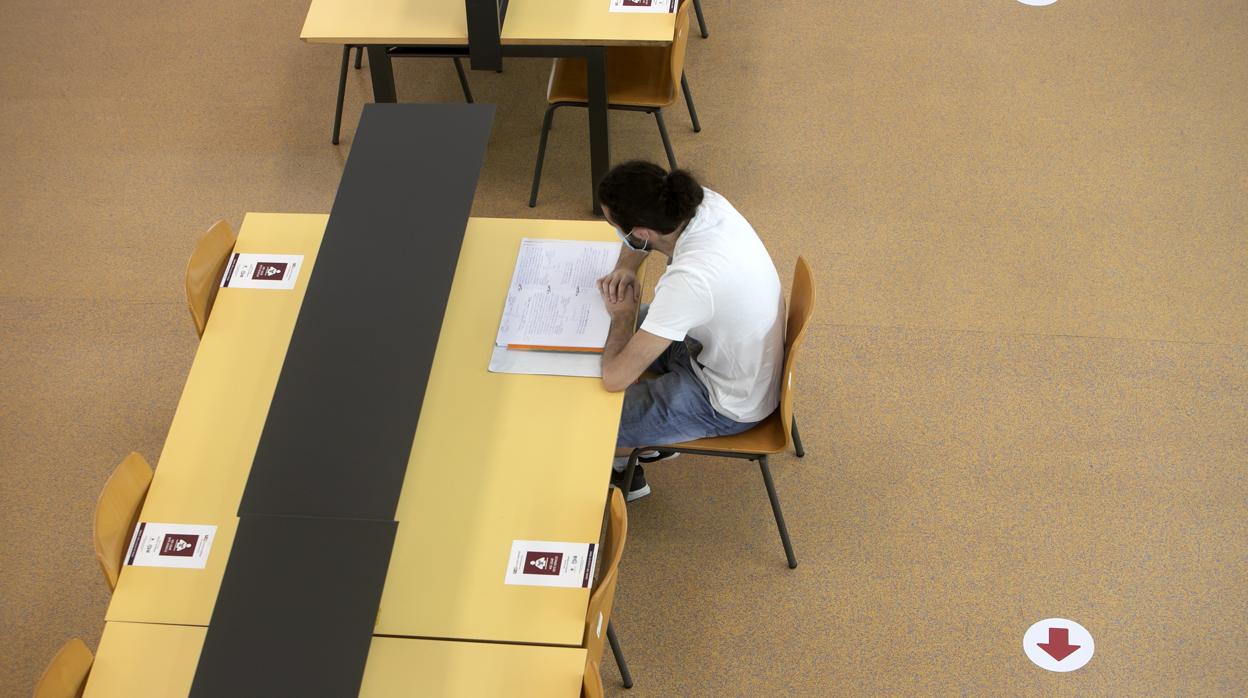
[(681, 194)]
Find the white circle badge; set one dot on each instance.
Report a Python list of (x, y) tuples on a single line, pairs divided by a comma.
[(1037, 3), (1058, 644)]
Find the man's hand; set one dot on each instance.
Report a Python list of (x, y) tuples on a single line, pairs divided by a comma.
[(619, 284), (623, 310)]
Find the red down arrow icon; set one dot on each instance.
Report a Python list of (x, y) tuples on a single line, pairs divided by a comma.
[(1058, 646)]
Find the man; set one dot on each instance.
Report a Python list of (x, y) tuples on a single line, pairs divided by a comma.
[(714, 335)]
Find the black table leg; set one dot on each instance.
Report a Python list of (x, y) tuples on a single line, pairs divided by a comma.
[(382, 72), (599, 146)]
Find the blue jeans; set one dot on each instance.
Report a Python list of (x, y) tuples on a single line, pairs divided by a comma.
[(672, 407)]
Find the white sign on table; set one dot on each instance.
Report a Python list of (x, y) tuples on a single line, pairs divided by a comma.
[(544, 563), (649, 6), (170, 545), (276, 271)]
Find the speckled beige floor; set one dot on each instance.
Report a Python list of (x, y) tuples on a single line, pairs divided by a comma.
[(1025, 392)]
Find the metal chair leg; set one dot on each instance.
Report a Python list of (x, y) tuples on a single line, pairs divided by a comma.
[(697, 8), (667, 143), (541, 156), (628, 471), (342, 91), (797, 440), (463, 80), (693, 113), (359, 56), (775, 509), (619, 656)]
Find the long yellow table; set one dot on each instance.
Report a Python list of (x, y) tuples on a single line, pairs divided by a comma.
[(211, 443), (145, 660), (495, 457), (582, 29), (444, 23)]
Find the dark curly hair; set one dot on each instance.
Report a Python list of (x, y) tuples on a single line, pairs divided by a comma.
[(642, 194)]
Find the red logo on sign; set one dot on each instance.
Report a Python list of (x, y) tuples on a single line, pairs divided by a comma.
[(179, 545), (269, 271), (542, 563)]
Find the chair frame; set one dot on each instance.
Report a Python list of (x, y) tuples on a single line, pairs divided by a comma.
[(548, 121), (396, 52), (763, 466), (759, 457), (697, 8)]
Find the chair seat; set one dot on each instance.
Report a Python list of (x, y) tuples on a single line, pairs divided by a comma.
[(767, 437), (637, 76)]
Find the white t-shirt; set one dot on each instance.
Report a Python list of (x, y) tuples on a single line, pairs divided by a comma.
[(722, 290)]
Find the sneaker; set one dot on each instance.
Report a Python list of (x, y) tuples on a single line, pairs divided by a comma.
[(655, 456), (640, 487)]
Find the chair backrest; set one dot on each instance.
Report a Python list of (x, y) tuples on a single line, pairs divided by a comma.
[(603, 595), (676, 50), (801, 307), (117, 511), (66, 675), (204, 271), (591, 687)]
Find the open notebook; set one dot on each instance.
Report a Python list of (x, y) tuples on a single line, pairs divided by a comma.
[(554, 320)]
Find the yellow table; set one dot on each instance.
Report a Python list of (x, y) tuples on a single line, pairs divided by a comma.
[(532, 28), (207, 456), (496, 458), (145, 660), (444, 23)]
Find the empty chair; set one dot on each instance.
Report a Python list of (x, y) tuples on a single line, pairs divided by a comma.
[(66, 675), (601, 599), (205, 269), (697, 7), (639, 78), (591, 687), (117, 512), (359, 54), (772, 435)]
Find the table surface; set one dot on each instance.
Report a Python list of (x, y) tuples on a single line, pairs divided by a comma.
[(502, 457), (444, 22), (142, 660), (211, 443), (480, 473)]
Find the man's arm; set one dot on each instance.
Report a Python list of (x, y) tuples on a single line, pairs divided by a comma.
[(630, 259), (627, 354), (630, 355)]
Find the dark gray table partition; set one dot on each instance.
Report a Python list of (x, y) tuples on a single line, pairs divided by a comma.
[(296, 609), (299, 599), (344, 411)]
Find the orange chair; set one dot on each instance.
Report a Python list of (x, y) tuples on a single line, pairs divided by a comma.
[(66, 675), (591, 687), (117, 512), (204, 271), (770, 436), (602, 598), (639, 78)]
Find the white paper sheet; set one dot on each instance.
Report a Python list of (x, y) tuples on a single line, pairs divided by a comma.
[(546, 363), (246, 270), (170, 545), (543, 563), (553, 299), (655, 6)]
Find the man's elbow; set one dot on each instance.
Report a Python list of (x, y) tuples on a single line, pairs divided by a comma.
[(612, 381)]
